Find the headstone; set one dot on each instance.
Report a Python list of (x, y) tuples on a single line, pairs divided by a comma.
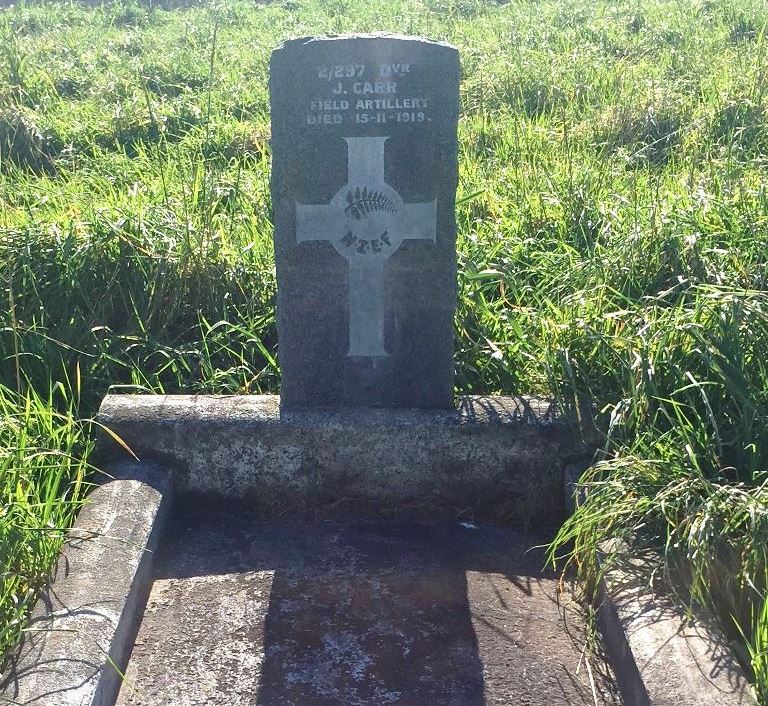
[(364, 172)]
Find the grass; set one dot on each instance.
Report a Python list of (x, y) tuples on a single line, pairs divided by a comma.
[(43, 470), (758, 647), (612, 244)]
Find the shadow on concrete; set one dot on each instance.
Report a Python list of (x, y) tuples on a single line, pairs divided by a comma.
[(664, 636), (351, 613), (509, 409), (392, 625)]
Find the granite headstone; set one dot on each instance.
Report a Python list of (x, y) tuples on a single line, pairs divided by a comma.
[(364, 172)]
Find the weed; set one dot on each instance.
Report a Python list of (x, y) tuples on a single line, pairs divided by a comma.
[(22, 143)]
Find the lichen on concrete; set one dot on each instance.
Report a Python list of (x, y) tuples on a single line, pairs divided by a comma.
[(496, 458)]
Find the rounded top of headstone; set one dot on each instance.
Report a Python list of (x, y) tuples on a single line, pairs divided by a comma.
[(384, 36)]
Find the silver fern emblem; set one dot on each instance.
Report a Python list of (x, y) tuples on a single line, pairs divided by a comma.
[(362, 201)]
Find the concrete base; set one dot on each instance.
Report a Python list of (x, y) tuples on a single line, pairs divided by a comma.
[(499, 458), (244, 607)]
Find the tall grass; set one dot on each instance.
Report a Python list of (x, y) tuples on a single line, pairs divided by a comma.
[(612, 233), (42, 484), (758, 647), (683, 469)]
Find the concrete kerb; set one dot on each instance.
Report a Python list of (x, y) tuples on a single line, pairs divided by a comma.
[(83, 627), (661, 655)]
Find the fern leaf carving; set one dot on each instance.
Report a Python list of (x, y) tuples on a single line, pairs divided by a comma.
[(361, 202)]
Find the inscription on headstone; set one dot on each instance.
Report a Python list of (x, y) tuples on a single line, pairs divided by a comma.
[(363, 185)]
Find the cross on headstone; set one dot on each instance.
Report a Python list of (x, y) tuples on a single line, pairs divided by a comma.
[(366, 222)]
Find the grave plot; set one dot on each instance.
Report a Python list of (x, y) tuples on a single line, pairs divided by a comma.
[(365, 538), (247, 612)]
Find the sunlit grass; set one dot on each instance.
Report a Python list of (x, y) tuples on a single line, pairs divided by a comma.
[(42, 484)]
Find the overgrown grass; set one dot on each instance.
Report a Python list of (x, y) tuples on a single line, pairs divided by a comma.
[(757, 645), (42, 469), (613, 252)]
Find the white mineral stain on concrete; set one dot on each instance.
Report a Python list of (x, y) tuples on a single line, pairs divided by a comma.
[(341, 653), (208, 648)]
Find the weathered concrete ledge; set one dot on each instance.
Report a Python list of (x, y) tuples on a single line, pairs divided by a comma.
[(83, 627), (497, 458), (663, 657)]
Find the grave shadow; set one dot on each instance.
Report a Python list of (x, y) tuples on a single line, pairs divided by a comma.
[(507, 409)]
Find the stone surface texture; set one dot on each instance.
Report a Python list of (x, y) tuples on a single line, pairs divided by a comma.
[(364, 174), (83, 626), (245, 612), (664, 657), (494, 457)]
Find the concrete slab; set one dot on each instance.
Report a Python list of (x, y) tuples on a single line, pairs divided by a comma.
[(250, 612), (496, 458)]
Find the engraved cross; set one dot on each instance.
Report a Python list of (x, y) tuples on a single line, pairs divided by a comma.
[(366, 221)]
